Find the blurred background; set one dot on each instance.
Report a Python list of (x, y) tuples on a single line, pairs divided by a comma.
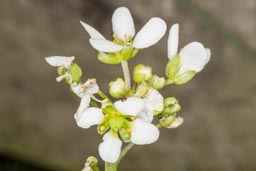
[(37, 128)]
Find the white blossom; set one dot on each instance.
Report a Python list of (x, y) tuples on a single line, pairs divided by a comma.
[(193, 57), (123, 28)]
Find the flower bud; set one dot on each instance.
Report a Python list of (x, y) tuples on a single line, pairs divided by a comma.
[(176, 122), (157, 82), (76, 72), (117, 88), (184, 77), (166, 121), (171, 105), (172, 67), (142, 73)]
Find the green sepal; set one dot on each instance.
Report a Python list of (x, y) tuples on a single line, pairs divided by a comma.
[(127, 53), (135, 52), (105, 130), (172, 67), (141, 89), (110, 109), (166, 121), (108, 58), (125, 135), (76, 72), (184, 78)]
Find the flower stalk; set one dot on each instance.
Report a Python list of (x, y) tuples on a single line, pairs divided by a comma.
[(126, 72)]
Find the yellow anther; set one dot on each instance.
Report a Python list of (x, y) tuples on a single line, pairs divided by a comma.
[(128, 129), (132, 118), (117, 113), (107, 115), (102, 128), (115, 134)]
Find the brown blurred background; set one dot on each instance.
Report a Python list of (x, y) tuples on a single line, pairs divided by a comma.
[(37, 128)]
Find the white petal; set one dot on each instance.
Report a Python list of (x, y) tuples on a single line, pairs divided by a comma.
[(146, 116), (105, 45), (173, 41), (89, 117), (208, 55), (77, 89), (110, 148), (84, 104), (57, 61), (131, 106), (150, 34), (154, 101), (143, 132), (193, 57), (122, 23), (91, 86), (176, 123), (93, 33)]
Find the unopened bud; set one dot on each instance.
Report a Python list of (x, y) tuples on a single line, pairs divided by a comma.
[(176, 122), (142, 73), (117, 88), (171, 105), (166, 121), (157, 82)]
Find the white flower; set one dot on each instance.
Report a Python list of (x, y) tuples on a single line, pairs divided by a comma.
[(61, 61), (123, 28), (87, 116), (193, 57), (142, 131)]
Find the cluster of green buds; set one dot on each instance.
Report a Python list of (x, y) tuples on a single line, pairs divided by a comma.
[(127, 115)]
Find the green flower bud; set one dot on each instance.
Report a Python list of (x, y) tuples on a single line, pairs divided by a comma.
[(117, 88), (125, 134), (142, 73), (172, 67), (171, 105), (76, 72), (108, 58), (157, 82), (166, 121), (183, 78)]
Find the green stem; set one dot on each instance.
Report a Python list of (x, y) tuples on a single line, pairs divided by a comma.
[(126, 74), (124, 151), (110, 166)]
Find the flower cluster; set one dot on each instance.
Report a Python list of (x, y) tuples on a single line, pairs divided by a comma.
[(127, 116)]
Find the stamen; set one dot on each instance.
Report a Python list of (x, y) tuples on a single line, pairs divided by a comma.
[(132, 118), (117, 113), (115, 134), (128, 130), (107, 115), (102, 128)]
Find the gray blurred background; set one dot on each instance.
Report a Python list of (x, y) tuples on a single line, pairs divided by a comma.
[(37, 128)]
